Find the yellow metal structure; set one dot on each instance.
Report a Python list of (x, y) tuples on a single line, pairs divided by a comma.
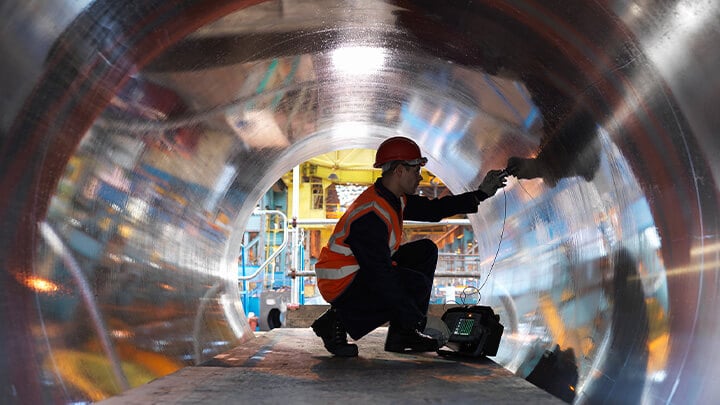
[(350, 166)]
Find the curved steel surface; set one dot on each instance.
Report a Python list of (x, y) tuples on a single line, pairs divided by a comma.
[(137, 137)]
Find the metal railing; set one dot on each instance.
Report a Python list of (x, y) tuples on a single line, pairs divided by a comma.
[(277, 251)]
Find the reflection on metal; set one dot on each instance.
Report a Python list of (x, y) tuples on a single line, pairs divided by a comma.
[(136, 132), (91, 305), (197, 324)]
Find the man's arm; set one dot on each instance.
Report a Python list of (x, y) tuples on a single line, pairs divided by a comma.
[(424, 209)]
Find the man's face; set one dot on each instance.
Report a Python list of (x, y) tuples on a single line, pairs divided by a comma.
[(410, 178)]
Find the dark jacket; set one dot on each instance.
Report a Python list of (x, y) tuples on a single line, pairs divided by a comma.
[(368, 241)]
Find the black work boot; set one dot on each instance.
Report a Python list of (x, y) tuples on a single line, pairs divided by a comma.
[(402, 339), (333, 334)]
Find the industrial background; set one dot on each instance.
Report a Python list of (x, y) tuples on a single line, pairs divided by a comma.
[(170, 169)]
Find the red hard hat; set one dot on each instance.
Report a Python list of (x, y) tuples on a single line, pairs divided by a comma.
[(399, 148)]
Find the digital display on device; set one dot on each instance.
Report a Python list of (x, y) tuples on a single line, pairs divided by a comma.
[(464, 327), (474, 331)]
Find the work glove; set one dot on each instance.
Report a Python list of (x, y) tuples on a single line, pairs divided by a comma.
[(494, 179)]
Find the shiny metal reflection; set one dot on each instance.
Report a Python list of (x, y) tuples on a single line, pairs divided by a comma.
[(144, 147)]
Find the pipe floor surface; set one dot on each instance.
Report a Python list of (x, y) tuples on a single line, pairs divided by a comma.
[(290, 365)]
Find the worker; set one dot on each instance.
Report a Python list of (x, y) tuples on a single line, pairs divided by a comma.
[(367, 275)]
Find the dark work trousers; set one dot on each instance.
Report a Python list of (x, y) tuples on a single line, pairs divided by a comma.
[(361, 306)]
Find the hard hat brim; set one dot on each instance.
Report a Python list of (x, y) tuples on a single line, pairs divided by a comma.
[(419, 161)]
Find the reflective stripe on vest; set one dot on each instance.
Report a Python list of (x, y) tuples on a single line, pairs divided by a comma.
[(336, 274), (359, 211)]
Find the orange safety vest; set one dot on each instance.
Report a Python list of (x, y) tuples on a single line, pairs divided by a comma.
[(337, 265)]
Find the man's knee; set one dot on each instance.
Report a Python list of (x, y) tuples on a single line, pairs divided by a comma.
[(420, 244), (423, 253), (420, 255), (428, 247)]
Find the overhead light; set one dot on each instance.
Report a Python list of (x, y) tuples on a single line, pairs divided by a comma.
[(333, 177), (358, 60)]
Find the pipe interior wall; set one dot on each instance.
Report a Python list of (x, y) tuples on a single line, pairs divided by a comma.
[(138, 137)]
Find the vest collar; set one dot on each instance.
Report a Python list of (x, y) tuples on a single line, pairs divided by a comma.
[(388, 196)]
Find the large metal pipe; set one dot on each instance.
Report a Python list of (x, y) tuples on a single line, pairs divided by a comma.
[(143, 134)]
